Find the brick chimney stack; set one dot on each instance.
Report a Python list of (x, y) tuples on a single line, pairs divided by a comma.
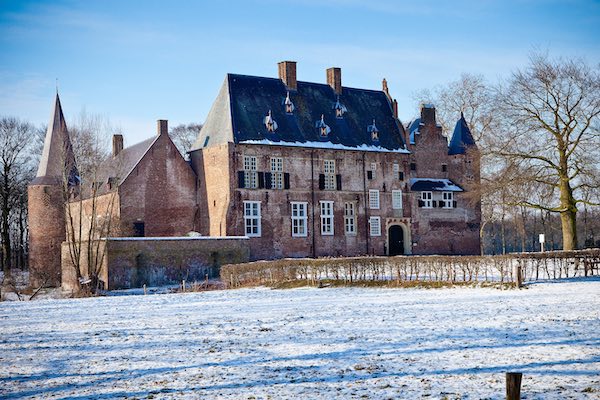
[(334, 79), (163, 127), (287, 73), (117, 144), (428, 114)]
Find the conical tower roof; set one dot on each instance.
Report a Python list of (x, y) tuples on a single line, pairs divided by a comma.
[(57, 156), (461, 138)]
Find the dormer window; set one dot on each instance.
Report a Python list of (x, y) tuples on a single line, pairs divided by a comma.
[(289, 106), (270, 123), (372, 129), (339, 108), (323, 127)]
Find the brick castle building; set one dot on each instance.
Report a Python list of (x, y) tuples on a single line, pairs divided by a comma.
[(303, 169)]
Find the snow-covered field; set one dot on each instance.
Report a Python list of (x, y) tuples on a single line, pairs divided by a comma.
[(307, 344)]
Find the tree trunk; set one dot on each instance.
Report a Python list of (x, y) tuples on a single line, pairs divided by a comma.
[(568, 217)]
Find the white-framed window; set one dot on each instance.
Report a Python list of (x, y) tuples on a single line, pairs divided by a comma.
[(276, 172), (375, 226), (329, 170), (374, 199), (427, 199), (252, 218), (448, 199), (299, 219), (326, 218), (250, 174), (350, 218), (396, 168), (373, 170), (397, 199)]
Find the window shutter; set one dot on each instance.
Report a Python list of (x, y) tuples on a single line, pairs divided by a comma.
[(338, 182), (261, 180), (454, 204), (241, 180), (369, 174), (434, 204), (268, 182), (421, 203), (321, 181), (286, 181), (401, 176)]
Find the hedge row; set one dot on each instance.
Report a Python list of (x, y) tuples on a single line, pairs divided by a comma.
[(510, 268)]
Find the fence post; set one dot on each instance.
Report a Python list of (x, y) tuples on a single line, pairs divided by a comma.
[(183, 285), (518, 275), (513, 385), (144, 288)]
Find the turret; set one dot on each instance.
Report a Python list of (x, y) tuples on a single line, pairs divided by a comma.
[(47, 194)]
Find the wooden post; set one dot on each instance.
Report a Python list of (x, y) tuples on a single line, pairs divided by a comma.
[(518, 275), (230, 280), (183, 285), (144, 289), (513, 385)]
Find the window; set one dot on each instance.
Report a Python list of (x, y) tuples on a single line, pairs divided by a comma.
[(250, 174), (138, 229), (252, 218), (397, 199), (276, 173), (448, 199), (350, 218), (373, 170), (289, 106), (299, 219), (374, 199), (270, 123), (413, 166), (326, 218), (426, 199), (375, 226), (444, 168), (329, 169), (396, 168)]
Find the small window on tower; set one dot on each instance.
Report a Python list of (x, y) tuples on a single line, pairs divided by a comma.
[(413, 166), (444, 168)]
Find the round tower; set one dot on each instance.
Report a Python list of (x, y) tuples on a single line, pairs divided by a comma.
[(46, 202)]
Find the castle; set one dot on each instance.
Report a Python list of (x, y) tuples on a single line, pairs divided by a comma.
[(302, 169)]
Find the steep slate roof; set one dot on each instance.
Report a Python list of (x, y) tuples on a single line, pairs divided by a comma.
[(57, 155), (413, 129), (238, 115), (461, 138), (122, 165)]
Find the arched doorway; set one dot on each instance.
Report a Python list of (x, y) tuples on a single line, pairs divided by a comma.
[(396, 240)]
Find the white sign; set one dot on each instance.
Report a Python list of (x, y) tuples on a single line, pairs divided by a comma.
[(542, 238)]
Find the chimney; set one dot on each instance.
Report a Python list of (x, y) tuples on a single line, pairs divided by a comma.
[(334, 79), (287, 73), (117, 144), (163, 127), (428, 114), (395, 108)]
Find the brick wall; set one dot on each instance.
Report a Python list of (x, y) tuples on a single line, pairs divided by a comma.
[(133, 262), (161, 192), (46, 233)]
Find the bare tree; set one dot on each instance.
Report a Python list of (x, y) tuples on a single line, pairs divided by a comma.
[(553, 107), (16, 169), (91, 202), (184, 136)]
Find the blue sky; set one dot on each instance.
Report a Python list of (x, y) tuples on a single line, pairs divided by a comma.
[(139, 61)]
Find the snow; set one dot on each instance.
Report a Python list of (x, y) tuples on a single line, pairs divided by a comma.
[(449, 186), (453, 343), (326, 145)]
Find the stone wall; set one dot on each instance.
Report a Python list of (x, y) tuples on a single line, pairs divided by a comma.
[(133, 262)]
